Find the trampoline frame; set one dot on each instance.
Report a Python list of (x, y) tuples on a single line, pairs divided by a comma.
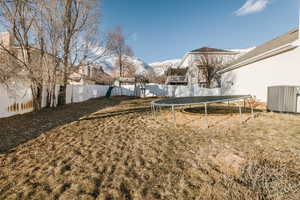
[(154, 105)]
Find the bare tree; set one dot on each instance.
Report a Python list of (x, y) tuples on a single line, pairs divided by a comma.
[(153, 77), (129, 67), (160, 74), (117, 46), (63, 32), (18, 18), (80, 21), (208, 66)]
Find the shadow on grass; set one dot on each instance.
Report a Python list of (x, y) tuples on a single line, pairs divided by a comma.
[(22, 128), (116, 113), (220, 109)]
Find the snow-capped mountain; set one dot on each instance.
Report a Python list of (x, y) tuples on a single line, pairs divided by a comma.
[(160, 67), (108, 63), (242, 51)]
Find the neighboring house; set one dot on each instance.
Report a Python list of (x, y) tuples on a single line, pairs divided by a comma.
[(176, 76), (196, 62), (90, 74), (42, 66), (276, 62)]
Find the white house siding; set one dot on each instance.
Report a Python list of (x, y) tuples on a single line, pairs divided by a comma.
[(186, 61), (282, 69), (153, 90)]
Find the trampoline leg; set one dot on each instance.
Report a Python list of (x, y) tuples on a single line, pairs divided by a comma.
[(174, 116), (240, 109), (252, 112), (206, 121), (152, 110)]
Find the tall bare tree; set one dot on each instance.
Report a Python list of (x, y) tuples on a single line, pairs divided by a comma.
[(117, 46), (80, 23), (64, 29), (48, 33), (18, 18), (129, 67)]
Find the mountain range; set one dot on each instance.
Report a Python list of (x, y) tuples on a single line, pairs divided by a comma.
[(108, 63)]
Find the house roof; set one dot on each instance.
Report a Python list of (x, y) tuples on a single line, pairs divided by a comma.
[(210, 50), (273, 44)]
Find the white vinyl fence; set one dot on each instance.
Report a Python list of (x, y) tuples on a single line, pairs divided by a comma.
[(15, 99), (19, 100), (153, 90), (80, 93)]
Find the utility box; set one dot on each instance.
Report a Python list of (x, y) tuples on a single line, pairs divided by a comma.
[(298, 103), (284, 99)]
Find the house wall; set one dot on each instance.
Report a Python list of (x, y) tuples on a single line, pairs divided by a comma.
[(195, 75), (283, 69), (5, 39), (192, 75), (153, 90)]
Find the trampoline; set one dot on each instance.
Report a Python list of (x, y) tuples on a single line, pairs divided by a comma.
[(197, 100)]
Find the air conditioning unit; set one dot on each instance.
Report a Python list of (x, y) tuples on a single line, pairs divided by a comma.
[(284, 99)]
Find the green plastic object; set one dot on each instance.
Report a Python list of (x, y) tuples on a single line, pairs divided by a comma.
[(108, 93)]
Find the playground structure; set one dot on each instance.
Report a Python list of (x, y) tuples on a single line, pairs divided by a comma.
[(138, 81), (198, 100)]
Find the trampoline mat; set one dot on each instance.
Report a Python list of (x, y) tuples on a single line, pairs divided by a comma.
[(180, 101)]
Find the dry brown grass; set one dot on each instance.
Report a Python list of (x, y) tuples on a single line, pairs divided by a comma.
[(272, 178), (111, 155)]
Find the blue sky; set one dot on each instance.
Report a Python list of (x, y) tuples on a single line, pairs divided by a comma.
[(165, 29)]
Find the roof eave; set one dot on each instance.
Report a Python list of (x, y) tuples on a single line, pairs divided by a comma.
[(215, 52), (190, 52), (271, 53), (182, 60)]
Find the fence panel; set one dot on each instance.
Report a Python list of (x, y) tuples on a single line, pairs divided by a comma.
[(20, 101), (15, 99)]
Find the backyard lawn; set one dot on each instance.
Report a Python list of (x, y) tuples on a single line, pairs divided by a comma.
[(116, 149)]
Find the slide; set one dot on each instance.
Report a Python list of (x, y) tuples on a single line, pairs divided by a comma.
[(108, 93)]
